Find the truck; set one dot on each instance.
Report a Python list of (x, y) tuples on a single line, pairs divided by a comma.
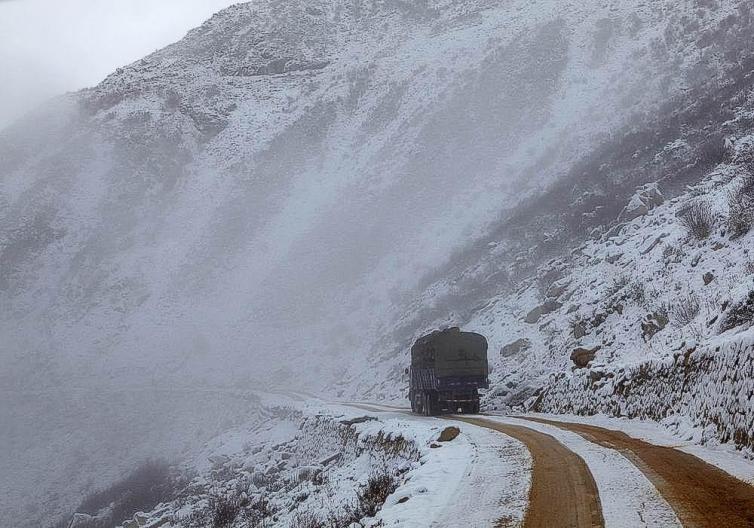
[(448, 367)]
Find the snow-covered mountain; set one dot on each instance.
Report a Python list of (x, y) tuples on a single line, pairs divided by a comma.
[(295, 190)]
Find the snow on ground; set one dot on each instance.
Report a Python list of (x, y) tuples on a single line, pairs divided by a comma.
[(311, 460), (478, 479), (629, 499), (724, 456)]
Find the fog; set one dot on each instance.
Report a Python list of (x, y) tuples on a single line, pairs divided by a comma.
[(48, 47), (257, 206)]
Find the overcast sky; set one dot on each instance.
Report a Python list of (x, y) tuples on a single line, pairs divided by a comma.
[(48, 47)]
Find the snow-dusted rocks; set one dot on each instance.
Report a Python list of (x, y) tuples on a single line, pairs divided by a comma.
[(516, 347), (702, 393), (646, 198), (581, 357)]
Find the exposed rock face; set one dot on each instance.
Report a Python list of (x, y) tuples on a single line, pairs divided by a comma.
[(646, 198), (515, 348), (652, 324), (578, 330), (533, 315), (556, 290), (581, 357)]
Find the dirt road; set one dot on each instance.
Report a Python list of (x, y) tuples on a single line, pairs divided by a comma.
[(563, 492), (702, 495)]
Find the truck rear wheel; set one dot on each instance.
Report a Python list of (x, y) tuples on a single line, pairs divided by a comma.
[(431, 404)]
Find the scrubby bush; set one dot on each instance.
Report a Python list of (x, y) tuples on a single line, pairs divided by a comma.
[(739, 315), (307, 520), (741, 208), (224, 510), (698, 219), (373, 495), (636, 291), (712, 152), (369, 500), (684, 310)]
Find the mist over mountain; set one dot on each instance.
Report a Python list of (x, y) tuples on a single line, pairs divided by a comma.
[(290, 192)]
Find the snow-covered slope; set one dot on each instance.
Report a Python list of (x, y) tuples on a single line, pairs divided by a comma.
[(266, 189), (295, 190)]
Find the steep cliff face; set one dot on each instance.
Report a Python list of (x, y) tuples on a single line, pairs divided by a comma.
[(264, 201)]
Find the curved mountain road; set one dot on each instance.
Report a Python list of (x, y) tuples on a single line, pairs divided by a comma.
[(563, 491), (702, 495)]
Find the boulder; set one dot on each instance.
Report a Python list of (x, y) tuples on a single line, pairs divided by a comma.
[(515, 348), (534, 315), (556, 290), (644, 200), (308, 473), (581, 357), (579, 330), (449, 434), (652, 324), (707, 278)]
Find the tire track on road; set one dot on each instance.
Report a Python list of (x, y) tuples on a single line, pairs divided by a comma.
[(563, 492), (702, 495)]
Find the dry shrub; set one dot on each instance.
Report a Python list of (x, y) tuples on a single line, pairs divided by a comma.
[(224, 510), (698, 219), (739, 315), (685, 310), (741, 208), (306, 520), (375, 493), (712, 152)]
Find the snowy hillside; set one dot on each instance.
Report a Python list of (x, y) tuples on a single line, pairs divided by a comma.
[(291, 194)]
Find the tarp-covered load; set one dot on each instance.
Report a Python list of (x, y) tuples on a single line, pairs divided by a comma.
[(451, 353)]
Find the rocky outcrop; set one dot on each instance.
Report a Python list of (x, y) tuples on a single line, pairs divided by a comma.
[(515, 348), (709, 387), (581, 357), (646, 198), (652, 324)]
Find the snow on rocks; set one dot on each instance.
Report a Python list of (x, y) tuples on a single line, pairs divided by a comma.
[(646, 198), (315, 461), (702, 393), (648, 319)]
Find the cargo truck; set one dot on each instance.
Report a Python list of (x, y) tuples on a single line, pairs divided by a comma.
[(448, 367)]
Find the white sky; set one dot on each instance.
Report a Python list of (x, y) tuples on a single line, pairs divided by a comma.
[(48, 47)]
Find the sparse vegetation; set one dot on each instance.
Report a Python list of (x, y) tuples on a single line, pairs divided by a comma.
[(698, 219), (685, 310), (637, 292), (222, 511), (369, 501), (712, 152), (373, 495), (149, 484), (741, 208), (739, 315), (672, 253)]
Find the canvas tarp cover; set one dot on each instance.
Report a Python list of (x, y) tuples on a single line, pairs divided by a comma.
[(451, 353)]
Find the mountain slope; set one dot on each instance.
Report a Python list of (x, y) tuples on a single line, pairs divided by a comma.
[(296, 189)]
